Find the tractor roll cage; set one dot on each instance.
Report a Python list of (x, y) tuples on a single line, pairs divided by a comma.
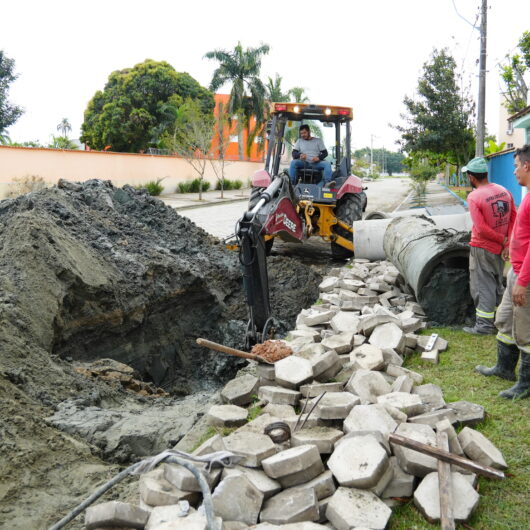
[(308, 112)]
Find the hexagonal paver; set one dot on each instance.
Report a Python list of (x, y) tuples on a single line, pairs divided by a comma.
[(239, 391), (312, 390), (411, 461), (358, 462), (341, 343), (369, 418), (367, 357), (185, 480), (410, 404), (336, 405), (477, 447), (227, 416), (291, 506), (465, 498), (368, 385), (278, 395), (323, 438), (294, 466), (388, 336), (237, 499), (253, 446), (293, 371), (351, 508)]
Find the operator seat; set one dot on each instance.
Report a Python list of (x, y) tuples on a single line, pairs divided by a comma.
[(309, 175)]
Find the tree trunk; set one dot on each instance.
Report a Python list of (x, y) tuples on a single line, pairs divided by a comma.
[(240, 138)]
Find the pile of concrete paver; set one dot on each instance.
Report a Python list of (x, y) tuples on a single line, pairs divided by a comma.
[(337, 468)]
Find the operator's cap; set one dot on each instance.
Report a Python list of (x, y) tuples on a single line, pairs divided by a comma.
[(477, 165)]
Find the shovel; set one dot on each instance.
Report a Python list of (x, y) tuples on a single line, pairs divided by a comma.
[(231, 351)]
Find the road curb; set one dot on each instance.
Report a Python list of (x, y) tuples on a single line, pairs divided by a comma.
[(211, 203)]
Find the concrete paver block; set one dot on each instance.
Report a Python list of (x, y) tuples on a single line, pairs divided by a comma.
[(279, 396), (367, 357), (227, 416), (280, 411), (431, 395), (323, 438), (194, 521), (401, 485), (396, 371), (155, 490), (265, 371), (292, 372), (390, 356), (258, 477), (403, 383), (431, 356), (444, 425), (410, 404), (314, 389), (477, 447), (252, 446), (291, 506), (213, 444), (239, 391), (467, 413), (336, 405), (411, 461), (341, 343), (345, 321), (440, 344), (370, 322), (185, 480), (368, 385), (369, 418), (322, 362), (433, 417), (351, 508), (388, 336), (358, 462), (328, 284), (314, 317), (162, 515), (237, 499), (395, 414), (115, 513), (294, 460), (465, 498), (323, 485)]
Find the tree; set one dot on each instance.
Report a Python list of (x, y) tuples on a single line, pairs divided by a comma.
[(241, 67), (438, 123), (135, 108), (65, 127), (391, 162), (514, 75), (222, 135), (274, 89), (62, 142), (9, 113), (298, 94), (192, 137)]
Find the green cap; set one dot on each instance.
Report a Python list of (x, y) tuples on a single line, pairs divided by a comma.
[(477, 165)]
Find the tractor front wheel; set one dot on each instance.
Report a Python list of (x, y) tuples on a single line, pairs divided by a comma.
[(349, 209)]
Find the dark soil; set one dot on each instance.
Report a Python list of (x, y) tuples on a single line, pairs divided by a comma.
[(91, 271)]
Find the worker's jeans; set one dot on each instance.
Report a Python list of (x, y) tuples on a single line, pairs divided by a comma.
[(512, 321), (295, 164), (485, 284)]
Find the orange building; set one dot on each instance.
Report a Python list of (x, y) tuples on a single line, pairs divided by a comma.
[(228, 141)]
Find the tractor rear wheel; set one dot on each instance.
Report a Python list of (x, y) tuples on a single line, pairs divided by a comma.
[(349, 209)]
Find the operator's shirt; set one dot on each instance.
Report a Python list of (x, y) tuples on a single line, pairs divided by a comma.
[(520, 243), (311, 148), (493, 214)]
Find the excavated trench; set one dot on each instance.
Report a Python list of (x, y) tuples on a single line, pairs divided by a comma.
[(90, 271)]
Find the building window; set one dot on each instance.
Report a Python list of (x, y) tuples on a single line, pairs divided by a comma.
[(509, 146), (233, 138)]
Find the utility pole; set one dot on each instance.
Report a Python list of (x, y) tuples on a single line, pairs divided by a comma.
[(371, 154), (481, 111)]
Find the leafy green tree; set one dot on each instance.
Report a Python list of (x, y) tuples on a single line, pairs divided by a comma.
[(438, 123), (138, 105), (65, 127), (9, 113), (62, 142), (514, 75), (391, 162), (241, 67)]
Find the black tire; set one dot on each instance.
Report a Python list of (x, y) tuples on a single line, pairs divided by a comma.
[(349, 209)]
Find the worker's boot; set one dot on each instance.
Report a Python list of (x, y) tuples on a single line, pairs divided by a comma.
[(507, 356), (522, 388)]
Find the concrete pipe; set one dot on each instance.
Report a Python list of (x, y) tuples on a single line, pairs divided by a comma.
[(434, 262), (368, 235)]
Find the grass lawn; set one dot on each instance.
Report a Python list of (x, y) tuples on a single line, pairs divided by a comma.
[(504, 505), (460, 191)]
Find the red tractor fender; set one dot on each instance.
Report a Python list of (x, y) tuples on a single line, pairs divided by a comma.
[(353, 184), (260, 179)]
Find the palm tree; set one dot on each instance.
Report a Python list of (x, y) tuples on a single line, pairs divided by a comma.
[(298, 94), (241, 67), (64, 127), (274, 89)]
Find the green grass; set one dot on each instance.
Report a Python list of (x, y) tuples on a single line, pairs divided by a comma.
[(503, 504), (460, 191)]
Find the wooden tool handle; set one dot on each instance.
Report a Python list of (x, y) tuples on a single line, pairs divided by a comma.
[(226, 349)]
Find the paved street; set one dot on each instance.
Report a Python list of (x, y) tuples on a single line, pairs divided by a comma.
[(219, 220)]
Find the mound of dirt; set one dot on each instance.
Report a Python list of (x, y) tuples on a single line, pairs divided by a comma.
[(90, 271)]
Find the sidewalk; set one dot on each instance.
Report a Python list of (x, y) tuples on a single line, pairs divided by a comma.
[(183, 201), (439, 200)]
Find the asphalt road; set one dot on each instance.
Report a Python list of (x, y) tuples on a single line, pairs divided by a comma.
[(220, 220)]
